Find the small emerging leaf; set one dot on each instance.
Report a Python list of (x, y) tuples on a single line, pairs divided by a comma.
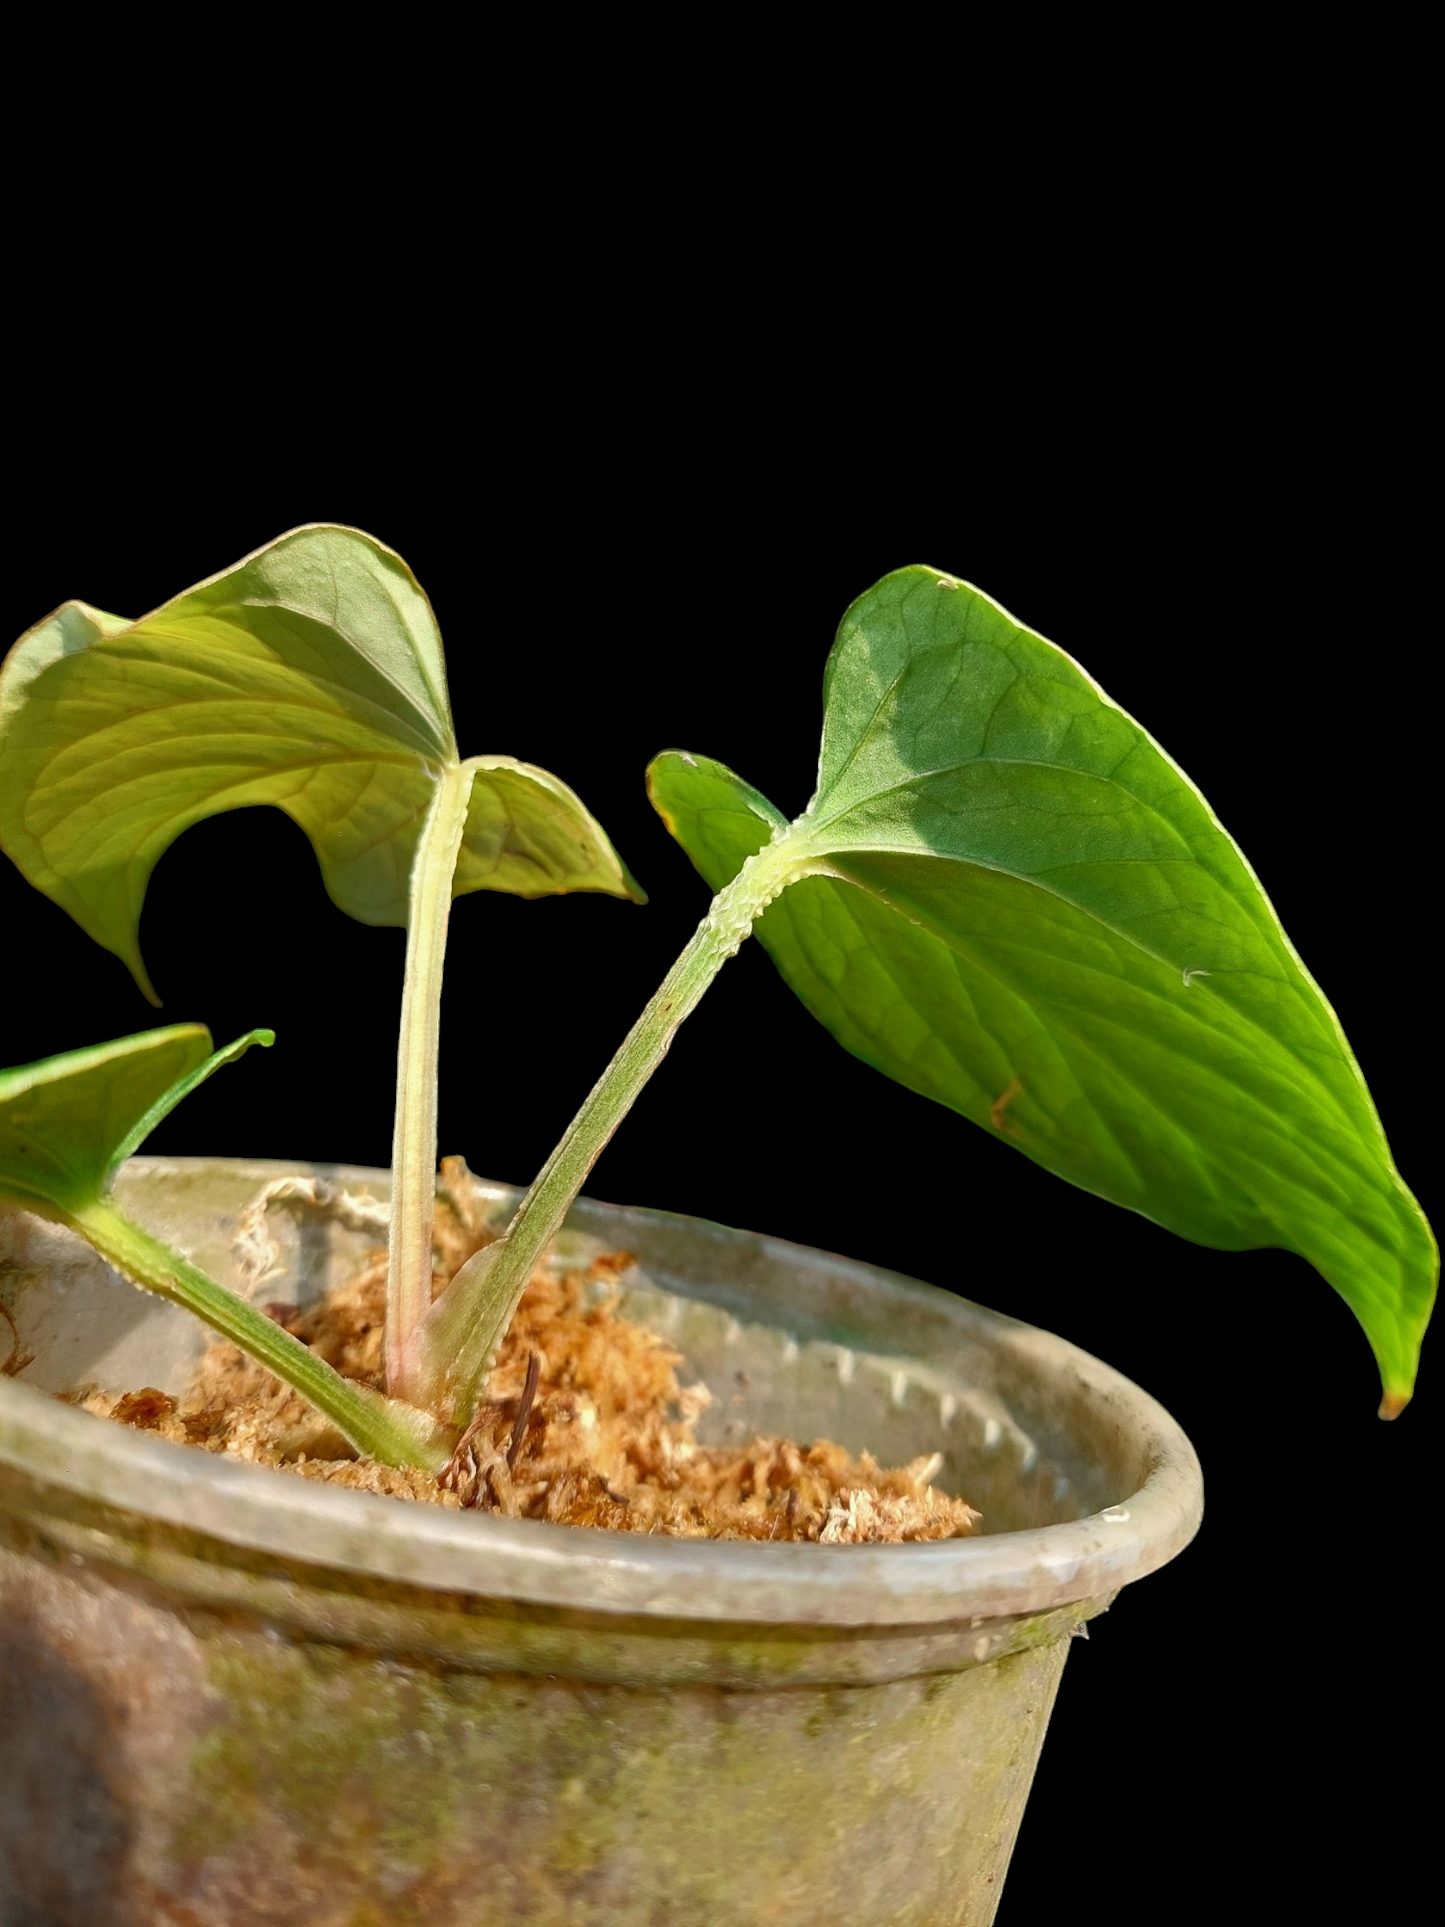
[(309, 676), (1026, 911), (64, 1121), (66, 1124)]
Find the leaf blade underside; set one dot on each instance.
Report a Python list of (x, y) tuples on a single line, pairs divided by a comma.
[(310, 676)]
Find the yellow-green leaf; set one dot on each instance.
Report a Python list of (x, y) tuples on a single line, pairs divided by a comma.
[(309, 676)]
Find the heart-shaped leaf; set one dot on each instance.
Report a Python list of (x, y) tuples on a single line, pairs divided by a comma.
[(1009, 899), (309, 676)]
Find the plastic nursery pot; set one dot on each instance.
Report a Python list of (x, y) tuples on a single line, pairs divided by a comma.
[(231, 1695)]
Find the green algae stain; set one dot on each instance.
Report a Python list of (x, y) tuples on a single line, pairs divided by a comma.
[(881, 1785), (417, 1798), (368, 1764)]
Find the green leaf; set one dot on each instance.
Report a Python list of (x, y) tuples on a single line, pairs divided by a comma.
[(1011, 900), (718, 818), (528, 834), (64, 1121), (66, 1124), (309, 676), (167, 1102)]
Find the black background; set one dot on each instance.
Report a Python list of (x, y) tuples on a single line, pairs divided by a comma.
[(641, 547)]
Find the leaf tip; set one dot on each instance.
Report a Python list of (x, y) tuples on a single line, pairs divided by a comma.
[(627, 884), (1393, 1403), (142, 978)]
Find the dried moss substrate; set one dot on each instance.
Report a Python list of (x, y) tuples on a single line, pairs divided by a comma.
[(585, 1423)]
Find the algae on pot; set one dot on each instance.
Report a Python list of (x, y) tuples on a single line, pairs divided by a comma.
[(1003, 893)]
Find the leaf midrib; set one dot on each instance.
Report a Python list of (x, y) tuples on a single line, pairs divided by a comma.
[(441, 711), (1011, 762), (347, 699)]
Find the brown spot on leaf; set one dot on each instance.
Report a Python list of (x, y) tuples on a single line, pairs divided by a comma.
[(997, 1113)]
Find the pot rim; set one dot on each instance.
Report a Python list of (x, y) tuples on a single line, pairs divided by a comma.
[(577, 1568)]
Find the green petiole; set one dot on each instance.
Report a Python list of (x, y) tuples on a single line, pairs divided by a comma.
[(384, 1428), (455, 1345)]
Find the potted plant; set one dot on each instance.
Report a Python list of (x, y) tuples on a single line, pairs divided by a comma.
[(970, 801)]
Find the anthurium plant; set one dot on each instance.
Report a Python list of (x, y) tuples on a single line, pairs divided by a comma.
[(1003, 894), (309, 676)]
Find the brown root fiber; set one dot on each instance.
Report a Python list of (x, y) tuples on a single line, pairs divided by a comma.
[(584, 1423)]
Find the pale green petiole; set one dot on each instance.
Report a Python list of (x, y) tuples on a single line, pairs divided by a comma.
[(383, 1428), (453, 1348), (414, 1140)]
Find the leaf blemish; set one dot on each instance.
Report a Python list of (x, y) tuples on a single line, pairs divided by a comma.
[(1190, 975), (1000, 1105)]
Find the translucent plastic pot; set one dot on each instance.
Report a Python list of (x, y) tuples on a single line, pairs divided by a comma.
[(233, 1696)]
